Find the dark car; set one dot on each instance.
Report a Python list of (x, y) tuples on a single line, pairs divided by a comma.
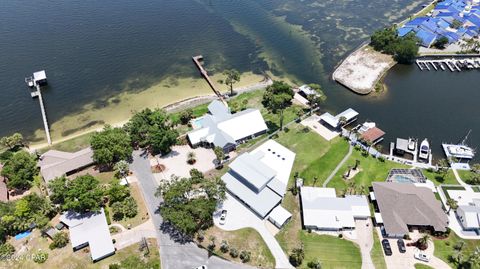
[(386, 247), (401, 246)]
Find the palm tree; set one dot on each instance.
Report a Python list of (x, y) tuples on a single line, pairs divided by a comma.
[(474, 259), (452, 204), (191, 157), (422, 242), (342, 121)]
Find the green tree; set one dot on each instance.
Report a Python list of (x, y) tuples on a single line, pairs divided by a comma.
[(232, 76), (12, 141), (152, 129), (111, 146), (452, 204), (406, 50), (441, 43), (126, 208), (117, 192), (121, 169), (188, 204), (219, 153), (6, 250), (20, 170), (422, 242), (315, 264), (384, 40), (58, 188), (277, 97), (245, 256), (83, 194), (186, 115), (476, 168), (40, 256), (59, 240), (296, 256)]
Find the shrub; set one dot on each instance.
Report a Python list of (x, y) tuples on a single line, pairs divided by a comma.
[(296, 256), (340, 235), (315, 264), (6, 250), (245, 256), (40, 257), (200, 236), (233, 252), (114, 266), (186, 116), (59, 240), (224, 246)]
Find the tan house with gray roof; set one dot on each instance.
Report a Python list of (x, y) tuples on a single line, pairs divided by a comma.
[(54, 163), (405, 206)]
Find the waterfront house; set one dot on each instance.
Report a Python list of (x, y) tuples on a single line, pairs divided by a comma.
[(89, 229), (221, 128), (259, 179), (323, 210), (400, 208), (54, 163), (335, 122), (468, 211)]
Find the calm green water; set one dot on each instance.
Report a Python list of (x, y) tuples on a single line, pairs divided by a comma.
[(91, 49)]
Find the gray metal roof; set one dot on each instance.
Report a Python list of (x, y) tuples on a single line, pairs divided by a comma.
[(401, 144), (219, 110), (249, 167), (260, 202), (406, 204), (54, 163)]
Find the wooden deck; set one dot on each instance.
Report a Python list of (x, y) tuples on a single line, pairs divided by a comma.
[(198, 62)]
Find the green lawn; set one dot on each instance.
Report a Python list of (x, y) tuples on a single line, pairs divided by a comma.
[(71, 145), (422, 266), (314, 155), (289, 235), (377, 253), (331, 251), (445, 188), (438, 178), (444, 248), (476, 188), (371, 169)]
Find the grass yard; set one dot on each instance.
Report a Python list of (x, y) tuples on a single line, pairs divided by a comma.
[(71, 145), (446, 188), (476, 188), (444, 248), (377, 253), (289, 236), (244, 239), (331, 251), (142, 214), (422, 266), (438, 179), (315, 156), (371, 169), (66, 258)]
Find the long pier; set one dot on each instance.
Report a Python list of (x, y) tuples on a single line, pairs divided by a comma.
[(35, 82), (197, 60), (44, 114)]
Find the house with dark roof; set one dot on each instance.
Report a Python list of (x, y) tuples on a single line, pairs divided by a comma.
[(404, 207), (54, 163)]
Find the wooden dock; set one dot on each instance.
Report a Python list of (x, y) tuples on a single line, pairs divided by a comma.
[(198, 62), (35, 82)]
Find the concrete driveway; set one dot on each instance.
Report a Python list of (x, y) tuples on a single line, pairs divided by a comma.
[(239, 216), (364, 240), (176, 161), (406, 260), (313, 122), (173, 255)]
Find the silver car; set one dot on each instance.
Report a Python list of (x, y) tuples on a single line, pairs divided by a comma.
[(223, 217)]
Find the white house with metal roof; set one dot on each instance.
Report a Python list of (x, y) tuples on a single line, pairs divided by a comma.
[(89, 229), (221, 128), (259, 179), (323, 210), (349, 115), (468, 211)]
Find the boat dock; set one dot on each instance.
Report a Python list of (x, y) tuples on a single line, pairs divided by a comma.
[(198, 62), (452, 64), (36, 81)]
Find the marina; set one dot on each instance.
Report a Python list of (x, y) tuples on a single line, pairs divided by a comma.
[(451, 64), (36, 81)]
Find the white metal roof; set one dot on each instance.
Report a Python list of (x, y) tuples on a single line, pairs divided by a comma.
[(252, 170), (279, 216), (307, 90), (329, 119), (323, 210), (40, 75), (92, 229), (349, 114), (243, 124), (469, 216)]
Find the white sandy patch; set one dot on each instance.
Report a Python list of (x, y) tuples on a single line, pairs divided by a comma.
[(361, 70)]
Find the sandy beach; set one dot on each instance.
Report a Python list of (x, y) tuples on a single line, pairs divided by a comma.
[(168, 94)]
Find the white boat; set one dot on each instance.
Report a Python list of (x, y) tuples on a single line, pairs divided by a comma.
[(458, 151), (424, 150), (411, 144)]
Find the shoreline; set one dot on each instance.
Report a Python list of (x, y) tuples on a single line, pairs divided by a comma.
[(170, 107)]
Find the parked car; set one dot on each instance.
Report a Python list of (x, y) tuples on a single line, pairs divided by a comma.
[(202, 267), (421, 256), (401, 246), (223, 217), (386, 247), (382, 230)]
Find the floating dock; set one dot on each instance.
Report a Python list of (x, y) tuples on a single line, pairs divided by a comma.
[(36, 81), (452, 63)]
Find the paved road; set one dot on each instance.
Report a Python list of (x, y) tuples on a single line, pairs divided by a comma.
[(350, 147), (173, 255)]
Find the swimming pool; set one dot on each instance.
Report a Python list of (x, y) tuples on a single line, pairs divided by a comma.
[(403, 179), (197, 123)]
